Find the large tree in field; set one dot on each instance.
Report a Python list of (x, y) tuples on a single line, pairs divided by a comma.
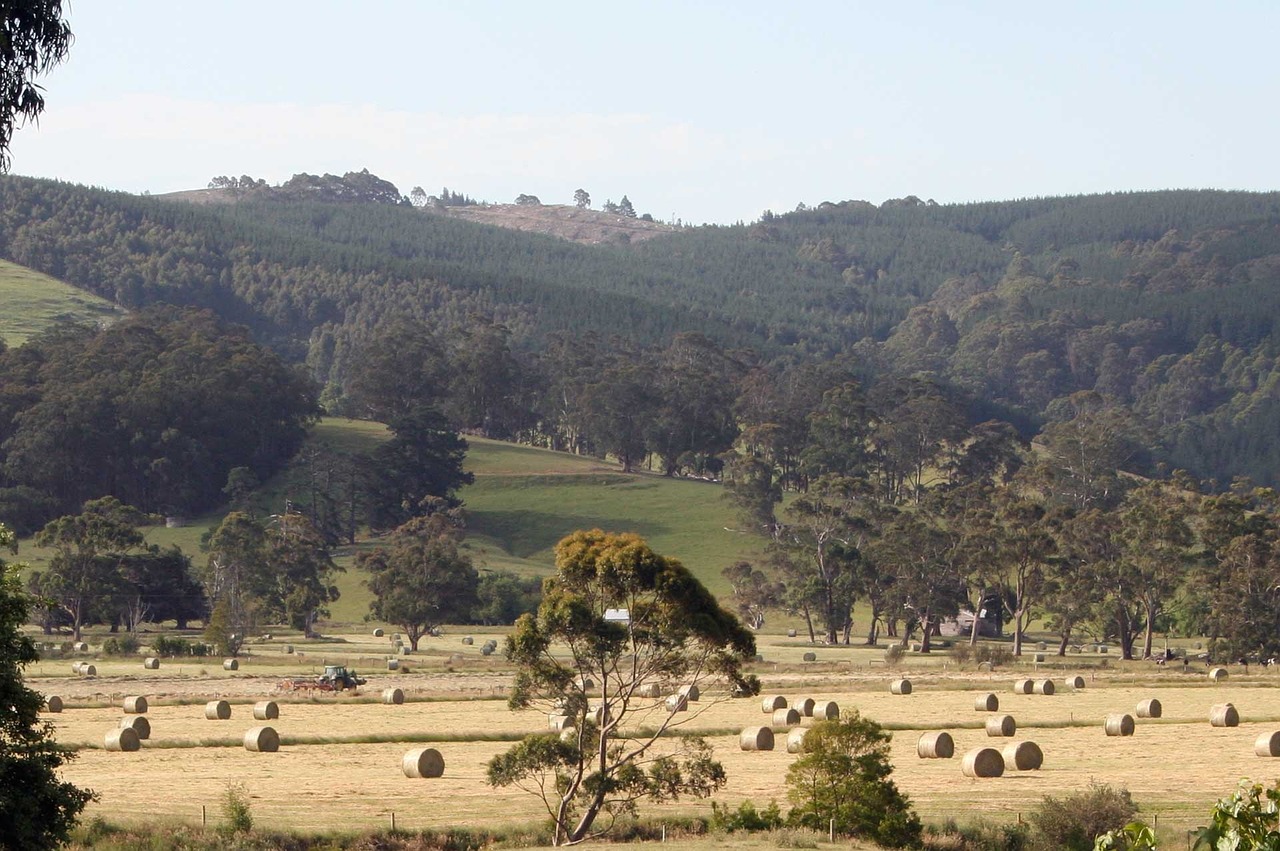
[(37, 810), (33, 39), (420, 580), (674, 632)]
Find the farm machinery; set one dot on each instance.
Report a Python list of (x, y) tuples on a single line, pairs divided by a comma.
[(335, 678)]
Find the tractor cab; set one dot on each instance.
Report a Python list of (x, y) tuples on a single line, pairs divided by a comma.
[(340, 678)]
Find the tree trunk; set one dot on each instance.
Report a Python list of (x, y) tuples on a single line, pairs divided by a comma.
[(1017, 632), (808, 622), (1152, 612), (1066, 639), (926, 640)]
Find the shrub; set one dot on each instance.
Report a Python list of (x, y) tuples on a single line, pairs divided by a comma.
[(124, 645), (961, 652), (745, 818), (994, 654), (1073, 822), (236, 810), (166, 646)]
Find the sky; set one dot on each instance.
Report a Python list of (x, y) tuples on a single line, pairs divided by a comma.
[(698, 111)]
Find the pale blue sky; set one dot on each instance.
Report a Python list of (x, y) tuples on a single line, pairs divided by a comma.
[(707, 111)]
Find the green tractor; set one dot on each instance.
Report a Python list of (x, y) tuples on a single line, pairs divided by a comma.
[(339, 678)]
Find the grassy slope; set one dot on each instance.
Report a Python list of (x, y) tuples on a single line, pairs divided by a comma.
[(33, 302)]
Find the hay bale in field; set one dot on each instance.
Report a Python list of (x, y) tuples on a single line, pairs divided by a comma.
[(151, 663), (1102, 648), (986, 703), (1268, 744), (138, 724), (900, 687), (53, 703), (826, 710), (1039, 658), (392, 696), (677, 703), (1224, 715), (230, 664), (1023, 756), (80, 647), (217, 710), (1118, 724), (288, 649), (588, 684), (804, 705), (559, 723), (89, 670), (76, 666), (135, 705), (1001, 725), (791, 633), (982, 762), (1075, 683), (601, 716), (262, 740), (1044, 687), (422, 762), (1149, 708), (468, 640), (690, 691), (1041, 646), (937, 745), (651, 690), (266, 710), (1217, 674), (810, 657), (757, 738), (378, 633), (1023, 686), (487, 650), (772, 702), (123, 739), (786, 717), (795, 740), (393, 664)]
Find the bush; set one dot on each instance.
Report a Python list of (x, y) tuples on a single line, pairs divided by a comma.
[(994, 654), (165, 646), (235, 808), (745, 818), (1075, 821), (961, 653), (125, 645)]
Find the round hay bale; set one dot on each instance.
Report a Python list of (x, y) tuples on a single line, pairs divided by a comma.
[(468, 640), (80, 647), (1224, 715), (677, 703), (900, 687), (1039, 658), (1268, 744), (378, 633), (151, 663), (691, 691), (1023, 686), (217, 710), (288, 649), (230, 664), (123, 739), (1075, 683), (75, 667), (1150, 708), (138, 724), (811, 657), (1023, 756), (601, 716), (937, 745), (1041, 646), (262, 740), (53, 703), (1001, 725), (1044, 687), (406, 650), (1217, 674), (772, 702), (1102, 648), (795, 740), (266, 710), (392, 696), (984, 667), (569, 734), (651, 690), (804, 705), (757, 738), (559, 723), (393, 664), (588, 684), (1118, 724), (826, 710), (135, 705), (89, 670), (982, 762), (791, 633), (786, 717), (422, 762), (487, 650), (986, 703)]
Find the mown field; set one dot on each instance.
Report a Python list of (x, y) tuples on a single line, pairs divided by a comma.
[(34, 302)]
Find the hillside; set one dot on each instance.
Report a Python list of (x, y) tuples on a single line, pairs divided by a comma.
[(34, 303), (588, 227)]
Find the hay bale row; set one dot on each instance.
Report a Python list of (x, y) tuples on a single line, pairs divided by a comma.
[(1023, 756), (1218, 674), (135, 705), (1224, 715), (123, 739), (788, 717), (826, 710), (757, 738), (772, 702), (1118, 724), (1150, 708), (1268, 744), (1024, 686), (1001, 725), (84, 669), (986, 703), (422, 763), (982, 762), (902, 686), (1044, 687), (937, 745), (1075, 683), (53, 703), (217, 710), (151, 663), (392, 696), (266, 710), (139, 724), (262, 740), (804, 705), (230, 664), (795, 740)]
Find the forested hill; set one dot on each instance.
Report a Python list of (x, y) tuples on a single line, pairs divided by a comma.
[(1165, 302)]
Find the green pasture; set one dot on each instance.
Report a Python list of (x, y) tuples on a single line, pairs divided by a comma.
[(34, 302)]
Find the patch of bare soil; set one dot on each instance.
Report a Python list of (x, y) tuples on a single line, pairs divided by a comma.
[(589, 227)]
